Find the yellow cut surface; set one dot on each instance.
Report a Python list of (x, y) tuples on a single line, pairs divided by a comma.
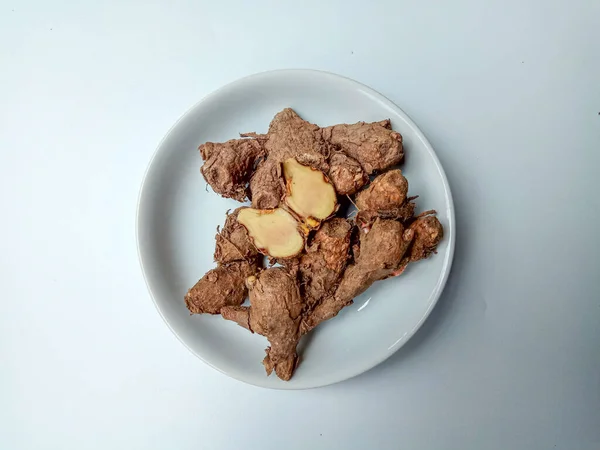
[(274, 231), (309, 193)]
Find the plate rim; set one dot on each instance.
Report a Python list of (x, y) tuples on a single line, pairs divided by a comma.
[(446, 269)]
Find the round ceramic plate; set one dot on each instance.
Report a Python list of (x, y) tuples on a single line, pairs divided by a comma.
[(178, 216)]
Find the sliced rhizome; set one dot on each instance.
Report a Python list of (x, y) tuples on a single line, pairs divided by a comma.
[(274, 232), (308, 193), (309, 199)]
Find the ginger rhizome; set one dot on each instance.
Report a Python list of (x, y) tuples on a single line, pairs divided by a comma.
[(296, 176), (275, 312)]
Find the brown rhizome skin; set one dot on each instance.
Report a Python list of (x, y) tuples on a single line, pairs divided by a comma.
[(296, 176)]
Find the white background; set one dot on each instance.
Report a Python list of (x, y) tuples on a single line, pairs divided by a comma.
[(508, 92)]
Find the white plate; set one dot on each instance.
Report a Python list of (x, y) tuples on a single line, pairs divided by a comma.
[(178, 216)]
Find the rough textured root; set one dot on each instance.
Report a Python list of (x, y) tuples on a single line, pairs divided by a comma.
[(385, 198), (284, 368), (326, 257), (233, 242), (308, 192), (269, 366), (266, 185), (328, 308), (386, 123), (237, 314), (355, 242), (346, 174), (428, 233), (220, 287), (289, 136), (298, 170), (275, 312), (274, 232), (292, 137), (228, 166), (402, 267), (254, 135), (404, 214), (386, 192), (375, 146), (381, 253), (429, 212)]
